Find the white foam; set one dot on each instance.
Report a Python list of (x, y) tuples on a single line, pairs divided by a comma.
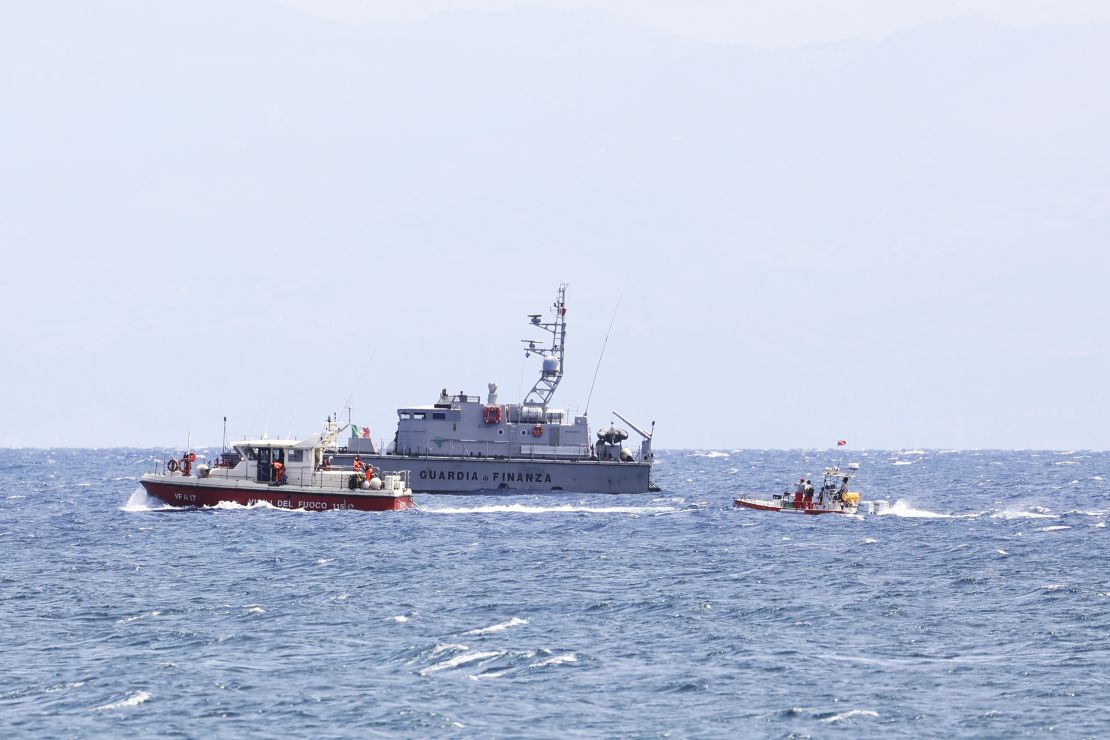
[(255, 610), (128, 620), (443, 647), (904, 509), (140, 501), (515, 621), (851, 713), (1056, 528), (131, 701), (64, 687), (324, 561), (560, 509), (1000, 551), (869, 541), (1039, 513), (459, 660), (556, 660), (1100, 525), (711, 453), (903, 462), (400, 619)]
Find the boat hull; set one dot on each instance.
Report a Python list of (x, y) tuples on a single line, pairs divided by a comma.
[(783, 505), (184, 492), (471, 475)]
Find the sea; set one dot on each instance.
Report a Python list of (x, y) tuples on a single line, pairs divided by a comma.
[(978, 605)]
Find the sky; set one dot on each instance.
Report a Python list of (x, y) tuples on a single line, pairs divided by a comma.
[(879, 222), (761, 23)]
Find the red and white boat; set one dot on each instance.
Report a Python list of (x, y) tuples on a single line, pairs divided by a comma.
[(832, 498), (286, 473)]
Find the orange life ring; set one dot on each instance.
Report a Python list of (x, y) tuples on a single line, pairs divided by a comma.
[(192, 457), (172, 465), (537, 431)]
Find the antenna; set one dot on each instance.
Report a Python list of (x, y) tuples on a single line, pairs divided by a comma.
[(552, 370), (225, 436), (602, 355), (347, 403)]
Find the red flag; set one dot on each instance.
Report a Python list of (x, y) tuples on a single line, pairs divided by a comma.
[(841, 442)]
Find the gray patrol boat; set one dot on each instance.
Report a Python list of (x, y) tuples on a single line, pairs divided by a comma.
[(462, 444)]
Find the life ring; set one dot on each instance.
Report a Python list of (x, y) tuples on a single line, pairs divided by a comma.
[(192, 457), (491, 414), (537, 431), (172, 465)]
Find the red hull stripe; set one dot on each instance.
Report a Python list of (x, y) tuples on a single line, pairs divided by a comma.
[(282, 499)]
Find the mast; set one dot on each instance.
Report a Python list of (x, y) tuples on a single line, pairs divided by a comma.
[(552, 371)]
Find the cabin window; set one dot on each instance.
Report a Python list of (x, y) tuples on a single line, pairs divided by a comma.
[(405, 415), (439, 415), (294, 456), (252, 453), (418, 415)]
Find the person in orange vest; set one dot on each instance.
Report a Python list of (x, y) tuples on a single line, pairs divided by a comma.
[(799, 492), (358, 463), (279, 473)]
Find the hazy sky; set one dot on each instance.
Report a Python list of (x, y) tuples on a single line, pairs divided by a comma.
[(240, 208), (764, 23)]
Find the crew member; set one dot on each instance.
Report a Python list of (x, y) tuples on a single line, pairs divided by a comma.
[(358, 463), (279, 474), (809, 494), (843, 489), (799, 492)]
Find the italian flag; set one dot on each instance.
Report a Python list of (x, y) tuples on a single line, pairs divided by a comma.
[(357, 431)]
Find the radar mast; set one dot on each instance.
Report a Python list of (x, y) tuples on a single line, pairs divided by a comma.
[(552, 371)]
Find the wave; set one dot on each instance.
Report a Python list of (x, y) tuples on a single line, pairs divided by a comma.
[(903, 462), (905, 509), (555, 660), (1056, 528), (851, 713), (128, 620), (463, 659), (131, 701), (140, 501), (710, 454), (515, 621), (1038, 512)]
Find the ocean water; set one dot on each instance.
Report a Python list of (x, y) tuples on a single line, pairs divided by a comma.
[(979, 606)]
